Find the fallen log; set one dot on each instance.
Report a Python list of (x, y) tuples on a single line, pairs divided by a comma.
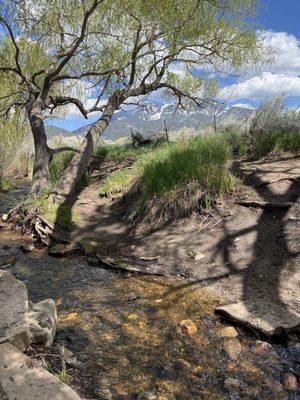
[(263, 204), (136, 266)]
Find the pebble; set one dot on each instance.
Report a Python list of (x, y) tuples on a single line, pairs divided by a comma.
[(147, 396), (260, 348), (228, 332), (232, 348), (289, 381), (27, 248), (4, 217), (232, 384), (188, 327)]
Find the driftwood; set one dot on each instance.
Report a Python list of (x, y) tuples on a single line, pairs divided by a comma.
[(29, 221), (134, 265), (263, 204)]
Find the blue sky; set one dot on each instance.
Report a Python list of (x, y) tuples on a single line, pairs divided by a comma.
[(280, 18)]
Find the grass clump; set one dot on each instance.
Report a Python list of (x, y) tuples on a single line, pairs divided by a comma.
[(119, 153), (117, 183), (201, 160)]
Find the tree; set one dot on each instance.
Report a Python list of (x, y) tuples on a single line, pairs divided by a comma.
[(139, 45), (37, 44), (123, 50)]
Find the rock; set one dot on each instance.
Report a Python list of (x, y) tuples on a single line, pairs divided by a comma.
[(147, 396), (4, 217), (14, 327), (8, 260), (61, 250), (268, 318), (27, 248), (232, 348), (289, 381), (23, 379), (228, 332), (199, 256), (188, 327), (42, 322), (262, 348), (232, 384)]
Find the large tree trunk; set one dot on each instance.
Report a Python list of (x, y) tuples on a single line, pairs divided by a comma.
[(79, 164), (43, 155)]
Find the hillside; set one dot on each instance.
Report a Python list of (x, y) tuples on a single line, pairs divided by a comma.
[(52, 131)]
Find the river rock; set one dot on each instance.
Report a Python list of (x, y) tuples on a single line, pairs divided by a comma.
[(42, 322), (268, 318), (188, 326), (232, 348), (232, 384), (22, 379), (228, 332), (62, 249), (290, 381), (14, 326), (27, 248)]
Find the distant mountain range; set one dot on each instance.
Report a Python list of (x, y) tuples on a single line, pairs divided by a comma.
[(153, 121)]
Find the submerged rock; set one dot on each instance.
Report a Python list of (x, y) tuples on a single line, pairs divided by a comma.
[(187, 326), (271, 319), (232, 348), (228, 332), (290, 381)]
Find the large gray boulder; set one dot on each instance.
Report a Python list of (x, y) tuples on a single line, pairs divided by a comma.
[(270, 319), (14, 326), (22, 379), (22, 322)]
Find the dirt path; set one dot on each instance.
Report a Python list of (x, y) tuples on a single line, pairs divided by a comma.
[(248, 254)]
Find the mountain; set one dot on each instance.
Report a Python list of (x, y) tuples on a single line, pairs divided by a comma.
[(52, 131), (153, 120)]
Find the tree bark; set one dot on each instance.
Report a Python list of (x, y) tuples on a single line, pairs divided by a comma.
[(67, 183), (43, 155)]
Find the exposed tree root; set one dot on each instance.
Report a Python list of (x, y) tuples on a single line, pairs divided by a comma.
[(136, 266), (28, 221), (264, 204)]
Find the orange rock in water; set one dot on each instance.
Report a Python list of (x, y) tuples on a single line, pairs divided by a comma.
[(188, 327), (69, 317)]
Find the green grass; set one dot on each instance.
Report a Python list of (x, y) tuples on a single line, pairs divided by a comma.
[(163, 169), (200, 160), (6, 185), (117, 182), (119, 153), (59, 164), (268, 143)]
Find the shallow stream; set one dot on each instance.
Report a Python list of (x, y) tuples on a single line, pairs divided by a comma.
[(125, 332)]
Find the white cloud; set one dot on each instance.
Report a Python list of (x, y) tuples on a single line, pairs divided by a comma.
[(286, 58), (265, 86)]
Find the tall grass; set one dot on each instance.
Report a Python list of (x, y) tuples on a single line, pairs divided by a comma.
[(200, 160), (163, 169), (275, 142)]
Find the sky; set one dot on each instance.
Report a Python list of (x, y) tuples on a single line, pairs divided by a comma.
[(279, 20)]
